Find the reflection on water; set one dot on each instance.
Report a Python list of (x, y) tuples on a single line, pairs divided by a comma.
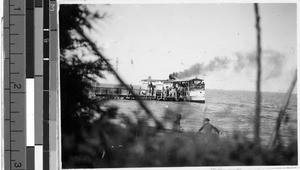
[(229, 111)]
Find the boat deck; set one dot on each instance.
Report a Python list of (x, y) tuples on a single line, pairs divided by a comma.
[(122, 93)]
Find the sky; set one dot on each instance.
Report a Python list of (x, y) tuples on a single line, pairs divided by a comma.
[(216, 42)]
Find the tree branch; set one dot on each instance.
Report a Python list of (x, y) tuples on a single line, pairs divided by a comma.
[(159, 125), (275, 135), (258, 94)]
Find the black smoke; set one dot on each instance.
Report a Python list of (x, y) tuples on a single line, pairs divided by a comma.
[(272, 62), (218, 63)]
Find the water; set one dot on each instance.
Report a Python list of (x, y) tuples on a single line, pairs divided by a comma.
[(229, 111)]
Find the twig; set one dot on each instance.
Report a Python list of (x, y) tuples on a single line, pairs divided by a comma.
[(142, 104), (275, 135), (258, 94)]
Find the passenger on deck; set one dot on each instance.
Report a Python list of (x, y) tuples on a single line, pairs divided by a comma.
[(187, 93), (167, 91), (207, 127), (180, 91), (173, 92), (153, 90), (202, 85), (150, 88), (176, 125), (162, 95)]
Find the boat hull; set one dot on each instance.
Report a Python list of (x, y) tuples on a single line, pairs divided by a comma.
[(197, 96)]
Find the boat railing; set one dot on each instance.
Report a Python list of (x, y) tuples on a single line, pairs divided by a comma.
[(114, 91), (178, 93), (197, 88)]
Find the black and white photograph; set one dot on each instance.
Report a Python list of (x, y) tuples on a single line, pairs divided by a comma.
[(178, 84)]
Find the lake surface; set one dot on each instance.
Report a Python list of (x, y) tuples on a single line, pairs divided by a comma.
[(229, 111)]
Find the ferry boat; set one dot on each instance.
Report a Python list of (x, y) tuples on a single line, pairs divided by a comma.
[(178, 90), (192, 90)]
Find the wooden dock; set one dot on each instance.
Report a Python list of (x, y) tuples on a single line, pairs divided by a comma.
[(123, 96), (120, 93)]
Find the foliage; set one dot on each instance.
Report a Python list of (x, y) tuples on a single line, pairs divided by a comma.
[(119, 142), (77, 76), (71, 17)]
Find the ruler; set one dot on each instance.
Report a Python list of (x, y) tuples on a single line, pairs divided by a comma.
[(31, 81), (14, 84)]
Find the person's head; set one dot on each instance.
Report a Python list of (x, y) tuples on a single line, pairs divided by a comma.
[(206, 120)]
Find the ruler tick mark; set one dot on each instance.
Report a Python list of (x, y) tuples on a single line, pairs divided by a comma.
[(17, 92), (16, 53), (14, 150), (14, 73), (17, 14), (16, 131)]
